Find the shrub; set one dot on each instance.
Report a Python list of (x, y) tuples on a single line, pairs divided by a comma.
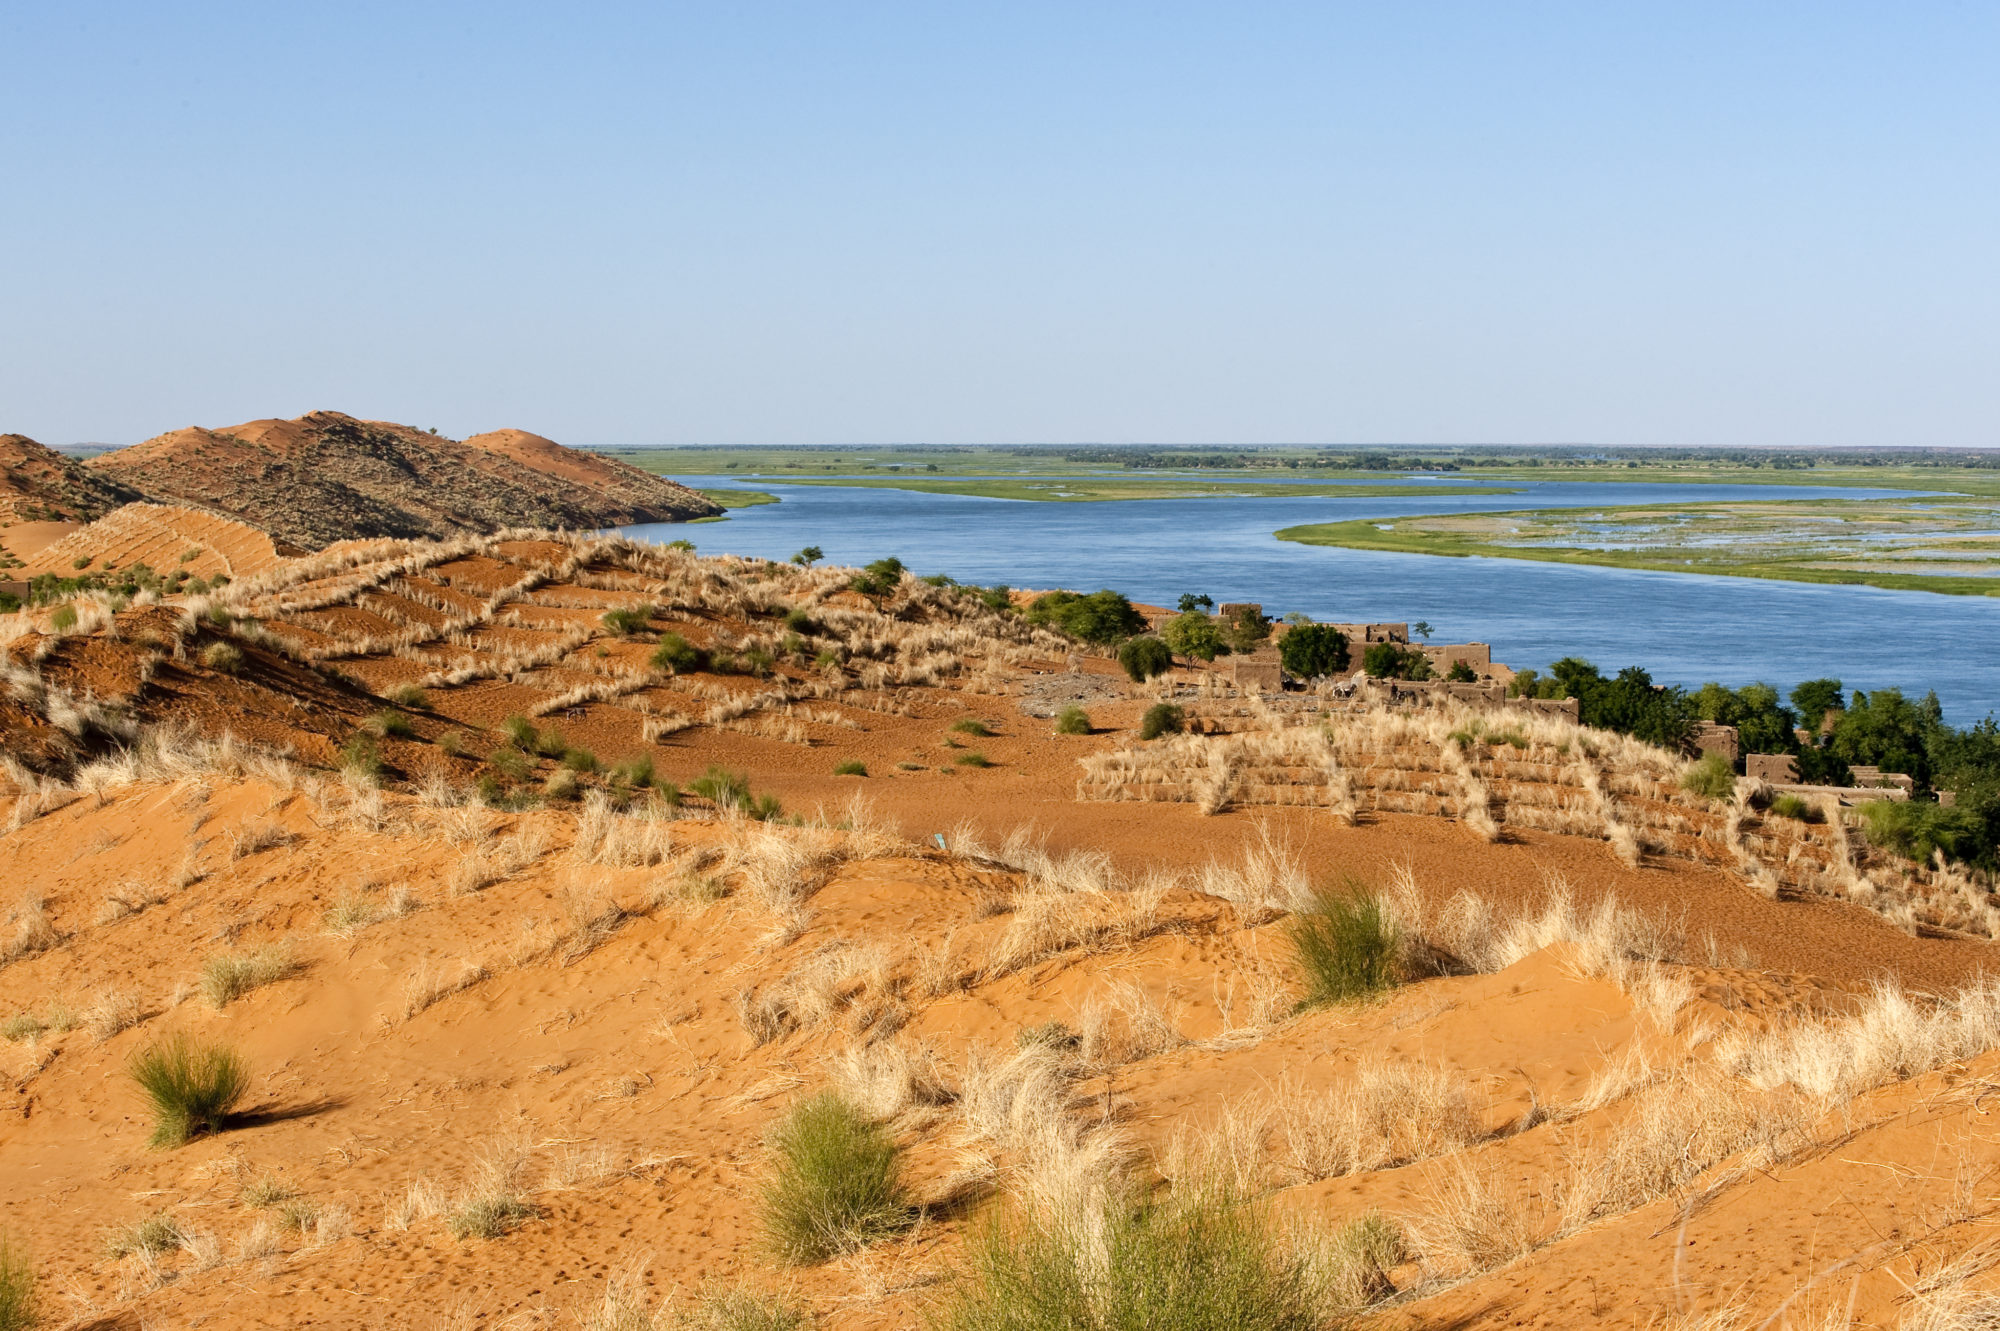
[(579, 760), (1392, 660), (684, 545), (1073, 721), (1102, 617), (1196, 1261), (835, 1184), (561, 785), (520, 732), (451, 744), (1144, 658), (1162, 718), (1311, 651), (637, 773), (551, 744), (879, 578), (64, 618), (225, 657), (973, 726), (1346, 945), (1713, 776), (150, 1237), (17, 1288), (227, 976), (809, 556), (1461, 673), (488, 1217), (389, 722), (409, 695), (628, 620), (1920, 828), (676, 654), (1248, 629), (799, 621), (192, 1087), (758, 662), (1361, 1256), (973, 758), (850, 767)]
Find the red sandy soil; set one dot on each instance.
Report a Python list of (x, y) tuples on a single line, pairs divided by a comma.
[(605, 1043)]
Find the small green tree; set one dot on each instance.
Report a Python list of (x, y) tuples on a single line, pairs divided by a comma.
[(1392, 660), (1102, 617), (1162, 718), (1194, 635), (1461, 673), (1190, 603), (1312, 651), (809, 556), (1145, 657)]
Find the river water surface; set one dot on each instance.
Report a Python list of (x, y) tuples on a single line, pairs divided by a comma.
[(1685, 628)]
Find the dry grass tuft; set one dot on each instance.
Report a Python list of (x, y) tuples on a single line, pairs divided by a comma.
[(227, 976)]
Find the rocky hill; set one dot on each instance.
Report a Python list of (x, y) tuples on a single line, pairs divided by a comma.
[(38, 484), (326, 477)]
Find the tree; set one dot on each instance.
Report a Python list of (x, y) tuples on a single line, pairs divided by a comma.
[(1761, 723), (1392, 660), (1630, 704), (1145, 657), (1461, 673), (809, 556), (1194, 635), (1815, 698), (1308, 651), (1103, 617), (1886, 730), (1190, 603), (1423, 629), (879, 578)]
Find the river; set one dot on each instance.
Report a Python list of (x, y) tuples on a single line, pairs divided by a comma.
[(1685, 628)]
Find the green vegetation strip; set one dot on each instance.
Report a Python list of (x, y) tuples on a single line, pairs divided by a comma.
[(1806, 541), (1092, 489)]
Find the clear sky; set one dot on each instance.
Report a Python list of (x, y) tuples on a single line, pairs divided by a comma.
[(1685, 223)]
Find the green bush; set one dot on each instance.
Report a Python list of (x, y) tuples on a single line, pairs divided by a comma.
[(551, 744), (579, 760), (224, 657), (192, 1087), (64, 618), (1311, 651), (809, 556), (972, 726), (636, 772), (722, 788), (451, 744), (18, 1310), (1196, 1261), (801, 621), (743, 1309), (409, 695), (973, 758), (1162, 718), (1144, 658), (1461, 673), (628, 620), (850, 767), (1073, 721), (879, 578), (389, 722), (1714, 776), (561, 785), (1392, 660), (835, 1185), (674, 653), (1346, 945), (1102, 617), (1791, 806), (1248, 629), (1920, 828), (227, 976), (520, 732)]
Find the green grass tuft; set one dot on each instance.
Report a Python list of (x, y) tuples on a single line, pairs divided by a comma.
[(1346, 945), (192, 1087), (628, 620), (18, 1307), (521, 733), (409, 695), (850, 767), (388, 722), (1713, 776), (973, 726), (1199, 1261), (973, 758), (227, 976), (835, 1185), (675, 654)]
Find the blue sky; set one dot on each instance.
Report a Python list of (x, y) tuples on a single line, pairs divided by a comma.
[(1631, 224)]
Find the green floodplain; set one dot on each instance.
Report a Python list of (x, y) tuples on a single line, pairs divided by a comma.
[(1943, 537)]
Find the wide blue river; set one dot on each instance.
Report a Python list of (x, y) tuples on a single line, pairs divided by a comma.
[(1685, 628)]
